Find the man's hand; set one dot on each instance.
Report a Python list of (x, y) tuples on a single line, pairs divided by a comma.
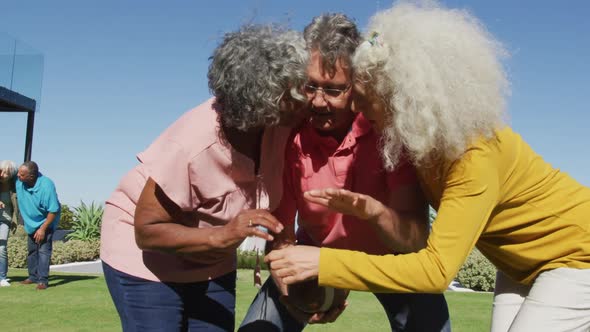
[(39, 235), (298, 315), (329, 316), (2, 206)]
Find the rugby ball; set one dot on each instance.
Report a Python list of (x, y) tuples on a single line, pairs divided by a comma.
[(308, 297)]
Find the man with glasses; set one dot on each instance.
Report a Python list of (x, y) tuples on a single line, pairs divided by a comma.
[(337, 148)]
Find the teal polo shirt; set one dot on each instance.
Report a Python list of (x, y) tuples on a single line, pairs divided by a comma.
[(36, 202)]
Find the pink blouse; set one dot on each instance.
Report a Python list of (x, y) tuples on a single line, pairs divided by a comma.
[(200, 173)]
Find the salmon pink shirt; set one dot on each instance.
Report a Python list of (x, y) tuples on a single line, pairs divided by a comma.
[(200, 173), (315, 162)]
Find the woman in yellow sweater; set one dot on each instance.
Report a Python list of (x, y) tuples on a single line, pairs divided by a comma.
[(431, 80)]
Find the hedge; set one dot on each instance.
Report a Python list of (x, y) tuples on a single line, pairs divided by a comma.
[(247, 260), (477, 273), (63, 252)]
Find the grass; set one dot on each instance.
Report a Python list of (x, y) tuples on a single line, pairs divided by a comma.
[(82, 303)]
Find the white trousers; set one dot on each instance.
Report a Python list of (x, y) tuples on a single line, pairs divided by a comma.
[(558, 300)]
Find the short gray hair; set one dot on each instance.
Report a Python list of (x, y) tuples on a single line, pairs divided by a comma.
[(252, 69), (335, 36), (32, 167), (9, 167)]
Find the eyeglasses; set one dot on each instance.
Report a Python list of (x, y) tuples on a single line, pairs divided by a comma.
[(328, 93)]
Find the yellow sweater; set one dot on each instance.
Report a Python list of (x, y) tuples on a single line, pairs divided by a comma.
[(522, 214)]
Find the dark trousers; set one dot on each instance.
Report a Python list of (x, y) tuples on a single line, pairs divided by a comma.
[(416, 311), (145, 305), (39, 258)]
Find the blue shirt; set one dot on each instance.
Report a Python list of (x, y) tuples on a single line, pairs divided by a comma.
[(36, 202)]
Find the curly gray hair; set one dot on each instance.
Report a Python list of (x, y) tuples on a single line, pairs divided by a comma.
[(335, 36), (439, 74), (252, 70)]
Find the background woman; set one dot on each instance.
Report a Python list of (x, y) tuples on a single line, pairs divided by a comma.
[(8, 213)]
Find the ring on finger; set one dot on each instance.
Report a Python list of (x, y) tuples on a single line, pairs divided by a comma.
[(250, 223)]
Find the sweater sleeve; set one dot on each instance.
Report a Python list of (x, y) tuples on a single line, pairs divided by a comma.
[(470, 193)]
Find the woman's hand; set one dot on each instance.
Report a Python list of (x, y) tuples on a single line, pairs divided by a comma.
[(277, 280), (294, 264), (402, 225), (246, 224), (347, 202)]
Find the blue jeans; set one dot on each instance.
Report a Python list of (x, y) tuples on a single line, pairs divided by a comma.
[(4, 228), (39, 258), (145, 305), (406, 312)]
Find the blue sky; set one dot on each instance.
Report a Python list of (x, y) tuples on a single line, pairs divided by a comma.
[(117, 73)]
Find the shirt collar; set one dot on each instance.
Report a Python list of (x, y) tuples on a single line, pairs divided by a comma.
[(34, 188), (360, 127)]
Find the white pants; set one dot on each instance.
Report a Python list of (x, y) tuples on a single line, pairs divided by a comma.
[(558, 300)]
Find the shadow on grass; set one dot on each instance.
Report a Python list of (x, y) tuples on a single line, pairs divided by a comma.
[(58, 280)]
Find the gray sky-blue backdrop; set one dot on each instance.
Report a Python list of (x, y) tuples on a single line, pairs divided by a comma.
[(117, 73)]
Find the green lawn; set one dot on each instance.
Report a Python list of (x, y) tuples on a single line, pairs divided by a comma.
[(82, 303)]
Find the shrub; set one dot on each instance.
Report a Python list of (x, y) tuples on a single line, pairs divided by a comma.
[(87, 220), (75, 251), (66, 219), (247, 260), (63, 252), (477, 273), (17, 251)]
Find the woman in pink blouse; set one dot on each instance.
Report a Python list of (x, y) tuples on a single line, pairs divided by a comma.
[(171, 228)]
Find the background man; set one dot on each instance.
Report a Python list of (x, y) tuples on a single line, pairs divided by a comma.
[(40, 210)]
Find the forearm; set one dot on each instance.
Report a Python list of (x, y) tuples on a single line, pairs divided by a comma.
[(15, 211), (48, 221), (401, 232), (15, 215), (160, 225), (177, 238), (421, 272), (463, 212)]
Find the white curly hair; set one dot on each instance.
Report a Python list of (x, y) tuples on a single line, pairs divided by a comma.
[(9, 167), (439, 73)]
